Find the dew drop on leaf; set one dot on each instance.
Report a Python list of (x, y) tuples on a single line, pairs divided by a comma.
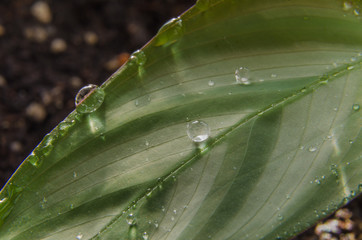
[(79, 236), (211, 83), (33, 160), (280, 217), (312, 149), (89, 98), (145, 236), (355, 107), (139, 57), (170, 32), (130, 219), (242, 76), (198, 131)]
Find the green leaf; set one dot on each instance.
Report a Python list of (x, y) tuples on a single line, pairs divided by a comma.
[(285, 142)]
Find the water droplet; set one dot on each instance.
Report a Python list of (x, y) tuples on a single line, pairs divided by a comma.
[(211, 83), (75, 174), (33, 160), (273, 75), (351, 141), (156, 224), (350, 67), (71, 206), (63, 127), (170, 32), (172, 218), (139, 57), (356, 12), (242, 76), (175, 211), (130, 219), (355, 107), (334, 169), (145, 236), (280, 217), (312, 149), (203, 4), (79, 236), (317, 181), (89, 98), (198, 131), (347, 6), (287, 196)]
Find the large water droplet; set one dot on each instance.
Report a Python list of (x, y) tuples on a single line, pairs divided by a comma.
[(139, 57), (130, 219), (46, 145), (242, 76), (198, 131), (202, 4), (355, 107), (89, 98), (170, 32)]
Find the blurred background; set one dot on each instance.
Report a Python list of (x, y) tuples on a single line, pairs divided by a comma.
[(50, 49)]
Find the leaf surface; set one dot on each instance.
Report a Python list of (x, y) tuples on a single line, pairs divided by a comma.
[(284, 150)]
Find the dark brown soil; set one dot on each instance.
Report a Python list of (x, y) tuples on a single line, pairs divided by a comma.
[(40, 75)]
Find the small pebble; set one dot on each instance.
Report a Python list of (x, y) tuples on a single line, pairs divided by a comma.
[(2, 81), (41, 11), (36, 112), (91, 38), (37, 34), (112, 64), (2, 30), (16, 146), (123, 57), (58, 45), (76, 82)]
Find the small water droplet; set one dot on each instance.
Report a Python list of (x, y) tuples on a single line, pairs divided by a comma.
[(242, 76), (356, 12), (145, 236), (71, 206), (170, 32), (79, 236), (211, 83), (89, 98), (355, 107), (350, 67), (156, 224), (198, 131), (334, 169), (351, 141), (139, 57), (172, 218), (280, 217), (317, 181), (147, 143), (175, 211), (273, 75), (130, 219), (353, 59), (33, 160), (63, 127), (75, 175), (347, 6), (312, 149), (287, 196)]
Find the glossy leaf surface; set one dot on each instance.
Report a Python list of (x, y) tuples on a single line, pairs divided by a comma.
[(284, 148)]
